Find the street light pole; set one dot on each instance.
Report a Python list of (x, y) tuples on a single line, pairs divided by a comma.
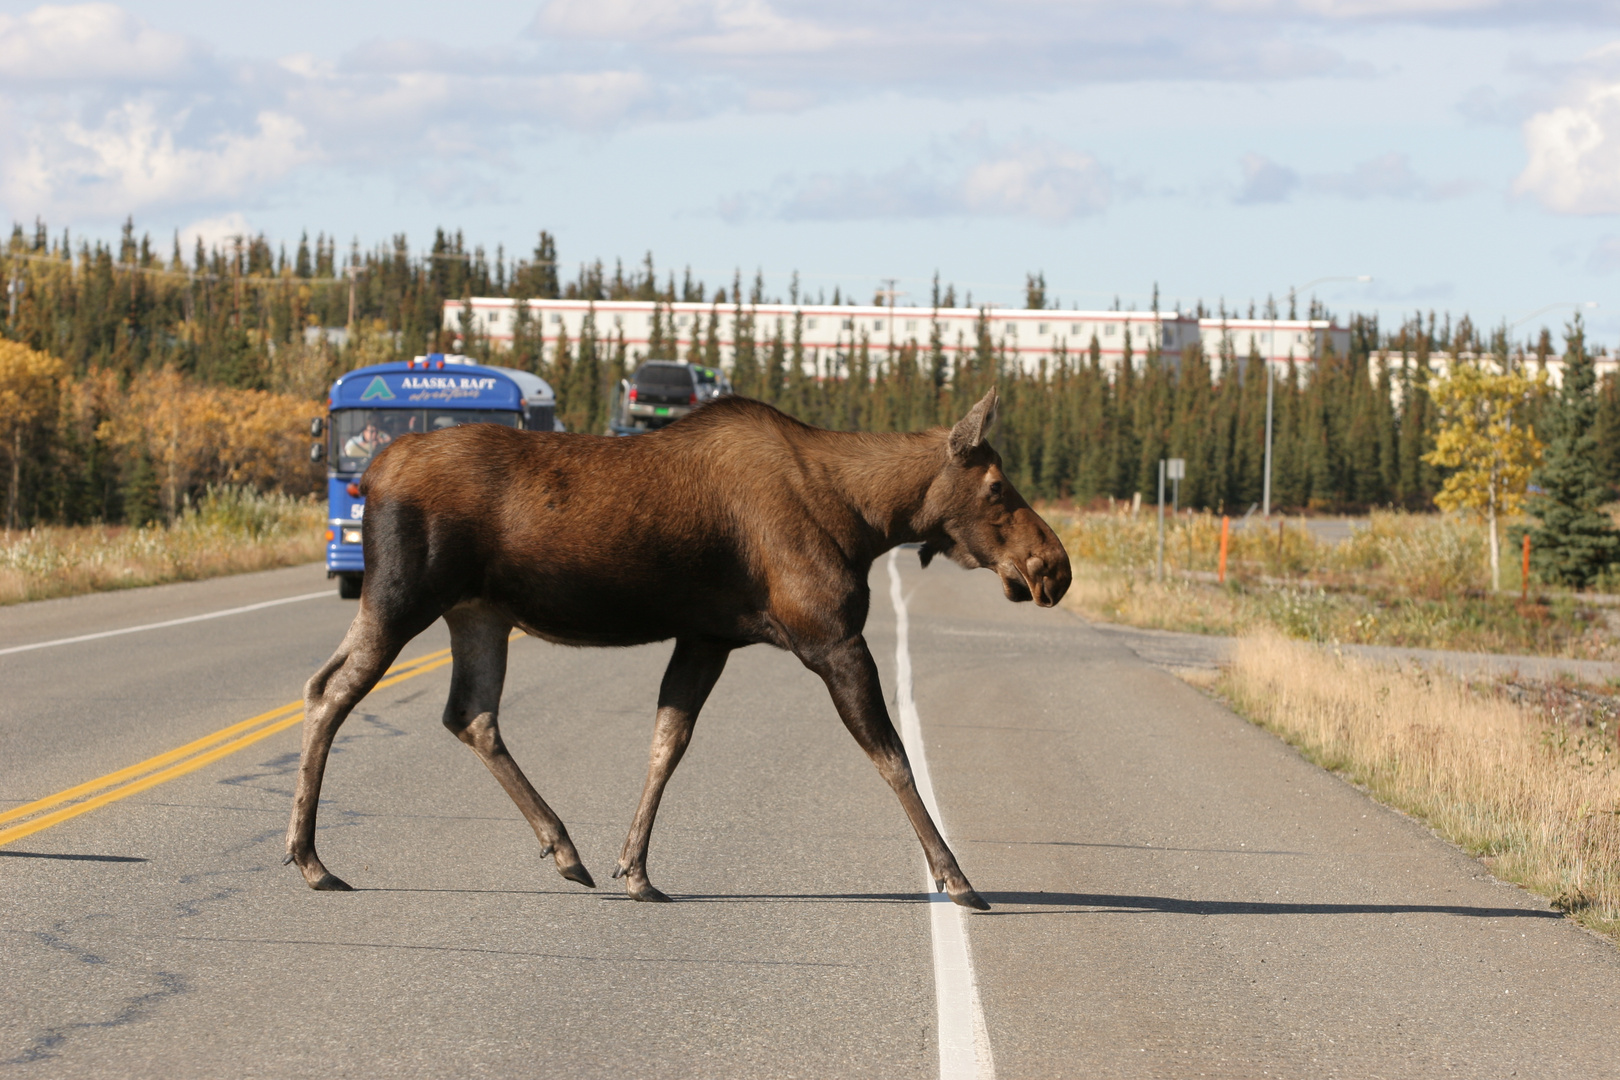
[(1550, 307)]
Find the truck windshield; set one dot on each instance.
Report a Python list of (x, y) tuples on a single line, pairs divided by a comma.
[(357, 434)]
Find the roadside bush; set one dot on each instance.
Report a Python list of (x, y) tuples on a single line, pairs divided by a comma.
[(229, 530)]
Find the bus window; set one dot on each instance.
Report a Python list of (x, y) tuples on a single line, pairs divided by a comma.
[(439, 419), (357, 434)]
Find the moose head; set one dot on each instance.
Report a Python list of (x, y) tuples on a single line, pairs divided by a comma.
[(978, 519)]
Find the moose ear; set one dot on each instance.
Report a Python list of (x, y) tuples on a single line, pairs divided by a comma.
[(970, 430)]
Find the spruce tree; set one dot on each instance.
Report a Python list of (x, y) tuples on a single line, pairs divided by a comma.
[(1576, 540), (1417, 481), (775, 367), (140, 492), (1608, 432)]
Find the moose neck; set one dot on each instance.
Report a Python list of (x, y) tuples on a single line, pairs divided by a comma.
[(884, 480)]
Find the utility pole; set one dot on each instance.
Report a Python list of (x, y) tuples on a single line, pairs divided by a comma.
[(349, 272), (890, 294)]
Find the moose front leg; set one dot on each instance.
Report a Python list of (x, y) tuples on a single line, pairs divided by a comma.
[(694, 668), (478, 641), (852, 678), (329, 696)]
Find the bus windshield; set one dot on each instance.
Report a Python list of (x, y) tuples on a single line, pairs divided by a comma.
[(357, 434)]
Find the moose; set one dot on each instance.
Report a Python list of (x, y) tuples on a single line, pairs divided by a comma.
[(734, 526)]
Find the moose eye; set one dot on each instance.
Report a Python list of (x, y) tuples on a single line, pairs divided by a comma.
[(995, 489)]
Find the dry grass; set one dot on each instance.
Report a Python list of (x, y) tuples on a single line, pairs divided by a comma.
[(229, 531), (1518, 778), (1402, 579)]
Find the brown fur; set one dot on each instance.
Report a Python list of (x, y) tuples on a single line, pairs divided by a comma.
[(737, 525)]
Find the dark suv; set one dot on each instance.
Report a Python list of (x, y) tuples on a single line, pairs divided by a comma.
[(663, 391)]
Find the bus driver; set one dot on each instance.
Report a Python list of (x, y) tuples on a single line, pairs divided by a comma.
[(368, 442)]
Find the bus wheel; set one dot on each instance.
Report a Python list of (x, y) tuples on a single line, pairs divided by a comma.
[(349, 586)]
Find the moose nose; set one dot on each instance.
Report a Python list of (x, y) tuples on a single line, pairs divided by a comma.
[(1051, 579)]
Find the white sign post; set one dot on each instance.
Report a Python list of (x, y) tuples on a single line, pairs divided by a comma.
[(1176, 471)]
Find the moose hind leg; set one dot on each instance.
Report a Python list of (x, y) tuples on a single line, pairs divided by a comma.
[(329, 696), (693, 670), (852, 678), (478, 642)]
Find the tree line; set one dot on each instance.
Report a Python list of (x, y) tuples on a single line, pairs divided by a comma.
[(1350, 431)]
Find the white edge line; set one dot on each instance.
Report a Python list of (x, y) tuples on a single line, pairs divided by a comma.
[(964, 1042), (161, 625)]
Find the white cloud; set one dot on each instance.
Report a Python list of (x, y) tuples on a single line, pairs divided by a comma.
[(89, 42), (968, 177), (131, 159), (840, 47), (214, 231), (398, 117), (102, 115), (1265, 181), (1361, 9), (1574, 153), (99, 110), (625, 20), (1037, 180), (1387, 176), (734, 27)]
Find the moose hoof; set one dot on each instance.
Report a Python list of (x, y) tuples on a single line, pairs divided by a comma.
[(576, 872), (646, 893), (970, 899), (330, 882)]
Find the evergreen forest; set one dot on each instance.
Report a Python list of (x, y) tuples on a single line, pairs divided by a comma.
[(242, 322)]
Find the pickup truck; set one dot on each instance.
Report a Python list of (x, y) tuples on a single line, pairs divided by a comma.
[(663, 391)]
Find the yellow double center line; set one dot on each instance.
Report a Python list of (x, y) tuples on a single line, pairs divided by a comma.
[(54, 809)]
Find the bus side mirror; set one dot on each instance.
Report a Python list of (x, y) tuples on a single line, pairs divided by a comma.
[(316, 427), (317, 451)]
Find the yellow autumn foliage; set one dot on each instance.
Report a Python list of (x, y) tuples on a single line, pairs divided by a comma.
[(28, 384), (197, 435), (28, 381), (1485, 436)]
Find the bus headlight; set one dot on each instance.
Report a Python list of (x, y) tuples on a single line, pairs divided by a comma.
[(351, 536)]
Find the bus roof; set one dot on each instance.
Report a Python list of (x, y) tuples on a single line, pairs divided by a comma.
[(441, 380)]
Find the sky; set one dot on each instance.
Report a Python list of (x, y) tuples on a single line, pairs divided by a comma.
[(1464, 154)]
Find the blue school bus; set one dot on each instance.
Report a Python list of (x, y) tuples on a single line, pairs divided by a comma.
[(370, 407)]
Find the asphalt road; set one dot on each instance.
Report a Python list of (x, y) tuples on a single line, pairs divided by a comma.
[(1175, 893)]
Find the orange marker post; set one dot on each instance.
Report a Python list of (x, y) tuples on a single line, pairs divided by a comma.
[(1524, 579), (1226, 528)]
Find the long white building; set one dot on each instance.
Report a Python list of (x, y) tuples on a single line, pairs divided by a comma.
[(1026, 335)]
